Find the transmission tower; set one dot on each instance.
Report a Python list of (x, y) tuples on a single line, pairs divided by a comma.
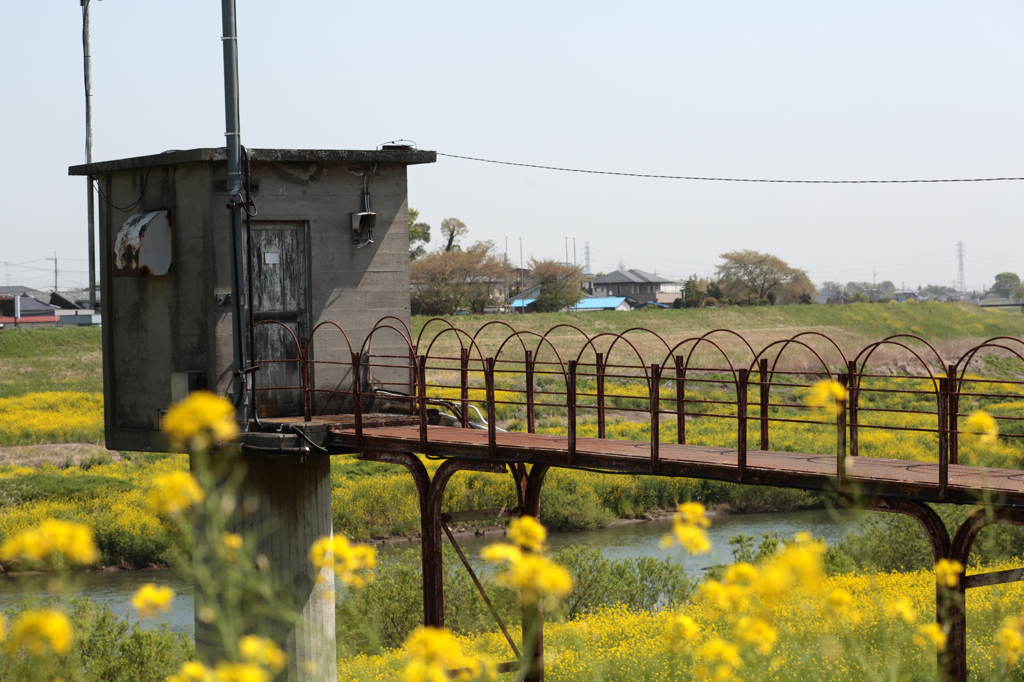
[(961, 286), (586, 257)]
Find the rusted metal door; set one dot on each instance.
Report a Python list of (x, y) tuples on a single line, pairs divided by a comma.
[(279, 303)]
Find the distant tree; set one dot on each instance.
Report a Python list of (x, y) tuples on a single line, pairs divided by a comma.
[(797, 288), (561, 285), (750, 275), (1006, 283), (710, 302), (936, 289), (694, 292), (444, 282), (714, 290), (834, 287), (887, 286), (859, 297), (419, 235), (452, 229)]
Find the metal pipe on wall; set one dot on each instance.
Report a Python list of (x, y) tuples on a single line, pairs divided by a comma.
[(233, 145)]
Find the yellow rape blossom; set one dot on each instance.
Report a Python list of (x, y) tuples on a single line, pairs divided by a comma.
[(902, 609), (199, 421), (232, 543), (262, 651), (718, 659), (174, 492), (192, 671), (534, 575), (741, 573), (930, 634), (352, 564), (3, 627), (240, 672), (1011, 643), (528, 533), (981, 426), (40, 631), (681, 629), (431, 653), (827, 394), (151, 598), (948, 572), (840, 602), (693, 513), (757, 633), (688, 526), (73, 541)]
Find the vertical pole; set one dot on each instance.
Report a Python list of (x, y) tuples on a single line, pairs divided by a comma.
[(464, 387), (412, 382), (357, 398), (655, 416), (953, 407), (680, 401), (91, 204), (600, 394), (234, 188), (570, 405), (423, 402), (491, 429), (741, 423), (531, 423), (844, 379), (853, 397), (307, 391), (762, 370), (943, 400)]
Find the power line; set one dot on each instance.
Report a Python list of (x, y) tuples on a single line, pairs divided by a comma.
[(713, 179)]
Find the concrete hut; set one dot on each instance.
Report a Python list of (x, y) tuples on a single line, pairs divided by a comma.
[(328, 244)]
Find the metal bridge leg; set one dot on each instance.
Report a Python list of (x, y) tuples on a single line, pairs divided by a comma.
[(433, 573), (533, 616), (955, 664)]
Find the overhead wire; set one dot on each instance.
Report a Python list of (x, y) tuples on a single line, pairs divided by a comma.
[(721, 179)]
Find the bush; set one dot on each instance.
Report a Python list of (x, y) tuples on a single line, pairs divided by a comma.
[(106, 648)]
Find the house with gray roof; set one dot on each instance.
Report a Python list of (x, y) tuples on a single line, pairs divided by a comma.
[(636, 284)]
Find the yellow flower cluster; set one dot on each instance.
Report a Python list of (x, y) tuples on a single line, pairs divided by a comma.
[(261, 659), (52, 538), (151, 598), (828, 394), (232, 543), (528, 533), (39, 632), (352, 564), (524, 567), (172, 493), (51, 417), (199, 421), (688, 526), (1010, 639), (947, 572), (980, 426), (433, 655), (930, 634)]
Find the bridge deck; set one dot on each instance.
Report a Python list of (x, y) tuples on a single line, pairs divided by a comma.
[(867, 476)]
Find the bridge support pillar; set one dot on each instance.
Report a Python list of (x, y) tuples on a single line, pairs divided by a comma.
[(533, 615), (288, 500)]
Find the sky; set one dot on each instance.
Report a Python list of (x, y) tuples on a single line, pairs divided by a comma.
[(739, 89)]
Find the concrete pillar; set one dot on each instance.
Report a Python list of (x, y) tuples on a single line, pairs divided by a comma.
[(294, 510)]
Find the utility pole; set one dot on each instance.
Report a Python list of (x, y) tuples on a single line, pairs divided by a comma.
[(522, 282), (566, 250), (87, 53), (54, 259)]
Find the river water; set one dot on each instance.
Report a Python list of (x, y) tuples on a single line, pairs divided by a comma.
[(626, 540)]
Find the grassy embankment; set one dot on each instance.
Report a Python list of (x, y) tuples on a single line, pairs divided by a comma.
[(49, 393)]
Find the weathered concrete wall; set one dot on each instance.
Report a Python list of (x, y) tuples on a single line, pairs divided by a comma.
[(153, 325)]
